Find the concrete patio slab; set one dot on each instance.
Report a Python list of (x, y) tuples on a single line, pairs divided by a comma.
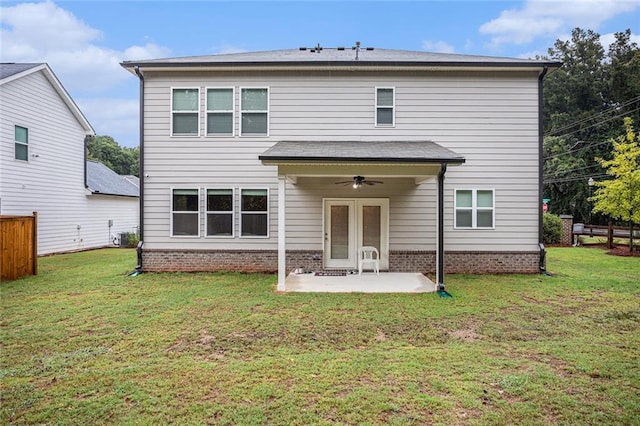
[(389, 282)]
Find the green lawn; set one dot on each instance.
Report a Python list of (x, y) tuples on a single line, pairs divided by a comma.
[(82, 343)]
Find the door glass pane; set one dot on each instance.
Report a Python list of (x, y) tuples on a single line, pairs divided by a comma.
[(371, 226), (339, 232)]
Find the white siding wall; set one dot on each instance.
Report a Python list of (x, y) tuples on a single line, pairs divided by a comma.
[(490, 118), (52, 181)]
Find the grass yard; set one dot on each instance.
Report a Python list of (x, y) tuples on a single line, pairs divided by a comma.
[(82, 343)]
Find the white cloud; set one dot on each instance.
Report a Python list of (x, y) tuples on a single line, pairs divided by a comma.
[(117, 118), (438, 46), (44, 32), (542, 17)]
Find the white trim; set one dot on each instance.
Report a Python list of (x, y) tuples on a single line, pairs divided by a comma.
[(171, 212), (267, 211), (474, 208), (207, 212), (267, 111), (171, 112), (207, 111), (393, 107)]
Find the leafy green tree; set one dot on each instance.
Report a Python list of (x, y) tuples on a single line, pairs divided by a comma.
[(619, 196), (122, 160)]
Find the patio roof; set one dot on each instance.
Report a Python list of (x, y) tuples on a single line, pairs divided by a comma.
[(380, 152)]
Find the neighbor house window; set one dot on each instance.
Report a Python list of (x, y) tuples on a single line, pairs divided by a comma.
[(385, 106), (474, 208), (254, 111), (220, 212), (185, 112), (220, 112), (254, 213), (21, 143), (185, 212)]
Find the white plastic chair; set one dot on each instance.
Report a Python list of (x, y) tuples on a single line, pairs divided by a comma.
[(369, 255)]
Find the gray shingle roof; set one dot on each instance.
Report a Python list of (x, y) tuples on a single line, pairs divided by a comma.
[(102, 180), (360, 151), (335, 57), (9, 69)]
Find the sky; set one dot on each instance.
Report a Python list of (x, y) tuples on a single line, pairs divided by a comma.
[(84, 42)]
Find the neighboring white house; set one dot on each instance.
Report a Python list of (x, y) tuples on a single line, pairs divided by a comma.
[(43, 165), (242, 155)]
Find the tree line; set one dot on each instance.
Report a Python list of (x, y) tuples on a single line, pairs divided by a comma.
[(586, 102), (120, 159)]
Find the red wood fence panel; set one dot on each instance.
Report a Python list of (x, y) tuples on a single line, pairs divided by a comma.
[(18, 246)]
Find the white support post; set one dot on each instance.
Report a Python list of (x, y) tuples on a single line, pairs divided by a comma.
[(282, 252)]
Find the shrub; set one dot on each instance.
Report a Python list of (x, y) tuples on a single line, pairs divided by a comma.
[(551, 229), (129, 239)]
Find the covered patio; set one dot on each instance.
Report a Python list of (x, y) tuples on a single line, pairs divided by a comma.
[(386, 282), (420, 161)]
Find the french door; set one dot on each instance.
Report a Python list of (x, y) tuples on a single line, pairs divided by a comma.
[(353, 223)]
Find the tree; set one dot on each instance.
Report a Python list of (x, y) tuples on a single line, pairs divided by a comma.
[(619, 197), (122, 160)]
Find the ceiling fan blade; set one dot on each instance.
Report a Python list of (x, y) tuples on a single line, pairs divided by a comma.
[(344, 182)]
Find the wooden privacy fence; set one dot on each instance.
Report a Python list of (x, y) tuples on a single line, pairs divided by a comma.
[(18, 246)]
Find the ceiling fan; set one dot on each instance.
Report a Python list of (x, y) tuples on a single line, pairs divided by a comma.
[(358, 181)]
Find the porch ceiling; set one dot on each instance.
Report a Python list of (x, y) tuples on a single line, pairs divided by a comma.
[(418, 159)]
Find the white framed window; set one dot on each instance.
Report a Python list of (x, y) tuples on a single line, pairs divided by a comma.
[(254, 111), (21, 143), (474, 209), (254, 212), (220, 218), (385, 107), (185, 111), (185, 212), (220, 107)]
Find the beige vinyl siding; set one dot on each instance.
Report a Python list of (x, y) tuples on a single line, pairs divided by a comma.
[(490, 118), (52, 181)]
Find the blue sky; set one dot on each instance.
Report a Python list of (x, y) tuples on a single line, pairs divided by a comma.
[(84, 41)]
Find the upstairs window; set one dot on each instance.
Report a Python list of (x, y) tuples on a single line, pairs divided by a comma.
[(254, 111), (185, 112), (254, 213), (385, 107), (220, 111), (220, 212), (185, 212), (21, 139), (474, 208)]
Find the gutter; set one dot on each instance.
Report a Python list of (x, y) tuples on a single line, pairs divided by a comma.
[(141, 171), (87, 138)]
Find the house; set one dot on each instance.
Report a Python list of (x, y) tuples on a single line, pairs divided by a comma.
[(296, 158), (43, 167)]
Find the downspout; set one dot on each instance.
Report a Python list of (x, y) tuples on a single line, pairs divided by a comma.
[(542, 262), (87, 138), (440, 254), (141, 172)]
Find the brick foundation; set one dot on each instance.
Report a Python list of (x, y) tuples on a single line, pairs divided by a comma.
[(399, 261)]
